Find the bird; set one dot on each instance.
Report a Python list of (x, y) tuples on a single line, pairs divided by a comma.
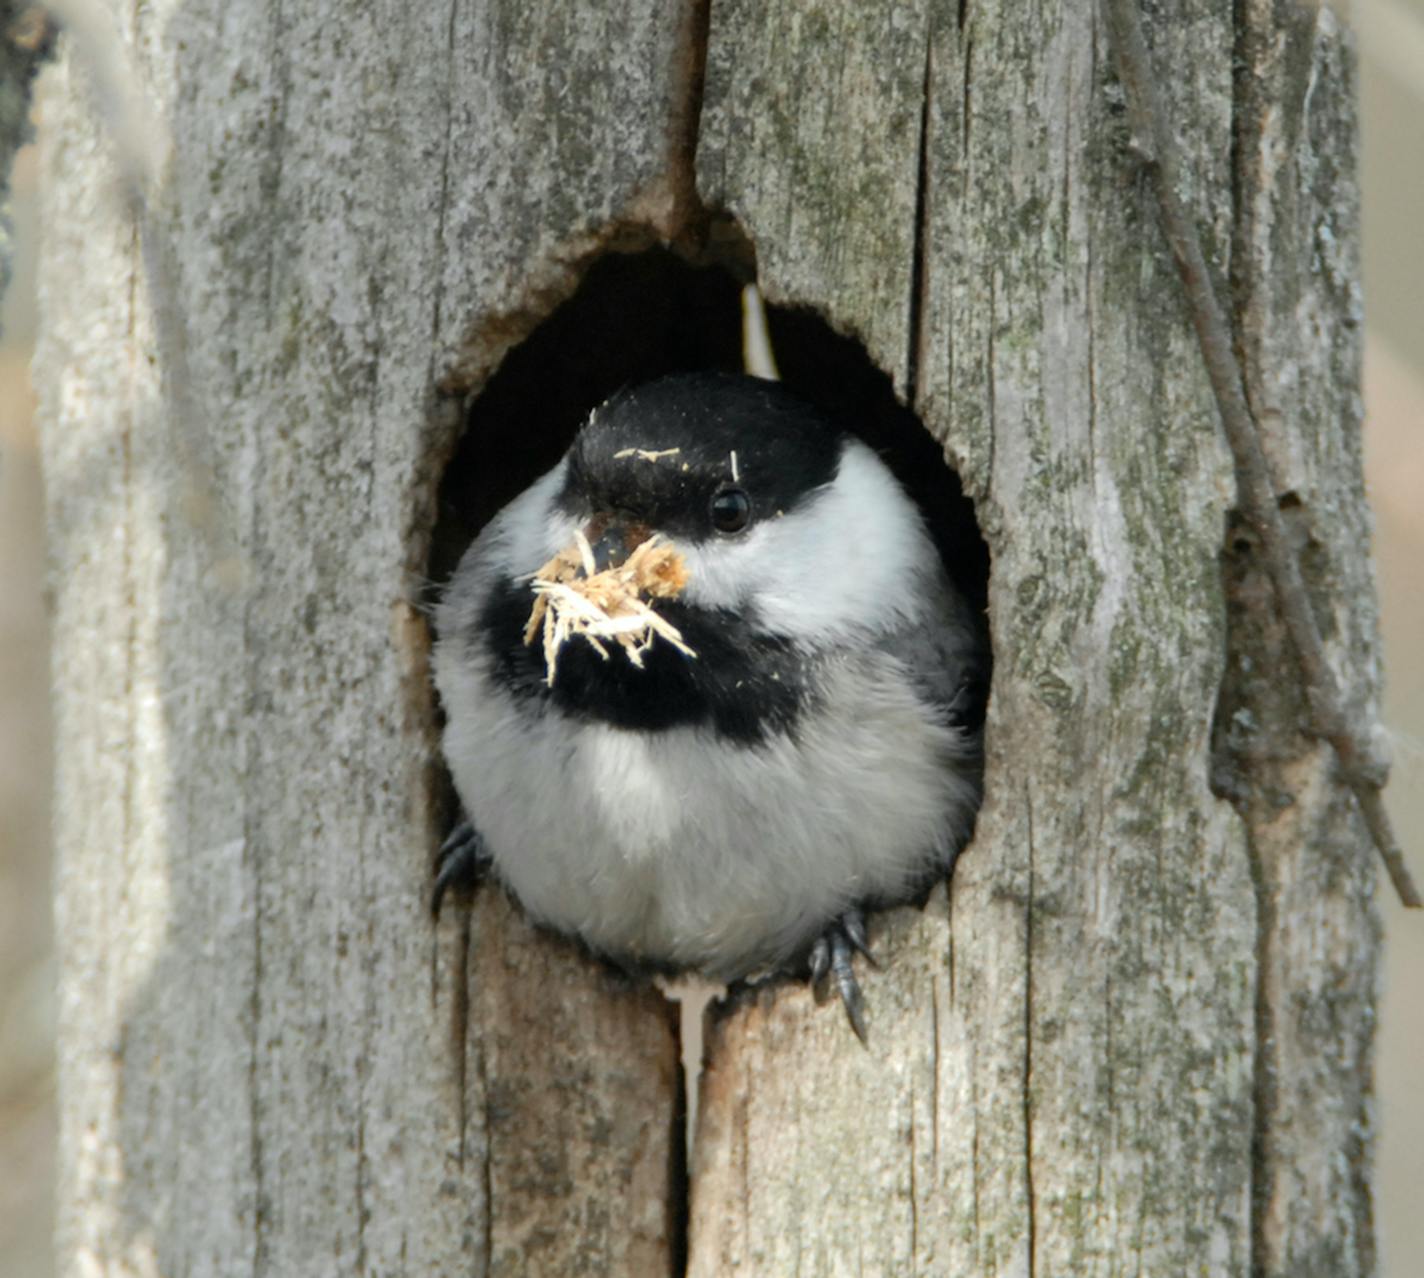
[(720, 765)]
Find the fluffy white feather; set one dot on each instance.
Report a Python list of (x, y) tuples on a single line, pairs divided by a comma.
[(678, 846)]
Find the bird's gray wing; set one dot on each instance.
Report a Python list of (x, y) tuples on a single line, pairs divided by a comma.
[(946, 652)]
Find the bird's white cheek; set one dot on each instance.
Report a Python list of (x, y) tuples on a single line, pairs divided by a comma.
[(722, 574), (531, 529), (783, 570), (846, 559)]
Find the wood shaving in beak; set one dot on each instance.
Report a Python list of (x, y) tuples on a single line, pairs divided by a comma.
[(570, 600)]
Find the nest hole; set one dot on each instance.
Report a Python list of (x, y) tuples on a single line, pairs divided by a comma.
[(637, 316)]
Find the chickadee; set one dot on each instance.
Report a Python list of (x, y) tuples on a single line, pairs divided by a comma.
[(808, 745)]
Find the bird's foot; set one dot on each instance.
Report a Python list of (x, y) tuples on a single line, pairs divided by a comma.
[(832, 954), (463, 860)]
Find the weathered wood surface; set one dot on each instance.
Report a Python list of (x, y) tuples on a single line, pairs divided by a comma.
[(1132, 1035), (262, 1059), (1296, 270), (1135, 1035)]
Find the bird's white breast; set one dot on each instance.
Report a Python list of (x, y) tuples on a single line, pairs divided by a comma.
[(684, 848)]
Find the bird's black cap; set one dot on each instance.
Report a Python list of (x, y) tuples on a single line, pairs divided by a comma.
[(676, 456), (663, 451)]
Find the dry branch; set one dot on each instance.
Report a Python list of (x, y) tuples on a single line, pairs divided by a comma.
[(1363, 765)]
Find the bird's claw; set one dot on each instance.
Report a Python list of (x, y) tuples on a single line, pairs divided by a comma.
[(463, 860), (832, 954)]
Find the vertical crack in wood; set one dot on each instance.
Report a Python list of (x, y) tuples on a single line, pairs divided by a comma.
[(487, 1164), (935, 1076), (991, 407), (1028, 1038), (362, 1070), (438, 303), (919, 259), (949, 959), (688, 215), (460, 1019), (974, 1144), (254, 1108), (271, 178), (1090, 278), (743, 1147), (678, 1213), (965, 103), (256, 1151), (132, 728), (251, 684), (1109, 1077), (1263, 1090), (371, 1016), (914, 1187)]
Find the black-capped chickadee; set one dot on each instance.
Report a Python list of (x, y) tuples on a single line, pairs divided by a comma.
[(795, 737)]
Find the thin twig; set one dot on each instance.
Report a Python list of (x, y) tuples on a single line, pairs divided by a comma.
[(1362, 764)]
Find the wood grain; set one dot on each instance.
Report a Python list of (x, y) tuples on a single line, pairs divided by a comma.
[(1132, 1035), (268, 1053), (1074, 1061)]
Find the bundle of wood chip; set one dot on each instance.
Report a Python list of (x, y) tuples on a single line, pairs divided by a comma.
[(571, 599)]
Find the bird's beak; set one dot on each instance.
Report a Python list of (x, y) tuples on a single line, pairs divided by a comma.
[(613, 539)]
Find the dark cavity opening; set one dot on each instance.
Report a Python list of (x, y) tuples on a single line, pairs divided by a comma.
[(637, 316)]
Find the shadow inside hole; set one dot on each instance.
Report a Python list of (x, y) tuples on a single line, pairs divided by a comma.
[(638, 316), (634, 317), (834, 372)]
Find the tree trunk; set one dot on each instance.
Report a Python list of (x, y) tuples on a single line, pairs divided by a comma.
[(1133, 1033)]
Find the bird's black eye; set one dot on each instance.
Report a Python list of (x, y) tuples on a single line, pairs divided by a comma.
[(731, 510)]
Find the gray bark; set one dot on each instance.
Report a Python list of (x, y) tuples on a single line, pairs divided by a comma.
[(1132, 1035), (271, 1061)]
